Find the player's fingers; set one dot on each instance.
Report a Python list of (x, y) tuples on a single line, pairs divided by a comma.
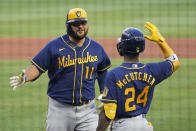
[(153, 27), (148, 37), (14, 78), (13, 81), (13, 84), (149, 25), (14, 88), (149, 28)]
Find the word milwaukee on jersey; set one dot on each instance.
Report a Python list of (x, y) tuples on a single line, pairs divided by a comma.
[(67, 61), (136, 76)]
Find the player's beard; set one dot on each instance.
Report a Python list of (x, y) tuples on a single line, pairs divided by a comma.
[(79, 37)]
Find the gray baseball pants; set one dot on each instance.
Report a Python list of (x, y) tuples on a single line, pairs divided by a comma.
[(138, 123), (66, 117)]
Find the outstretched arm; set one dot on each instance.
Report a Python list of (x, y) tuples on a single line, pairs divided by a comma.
[(30, 74), (168, 53)]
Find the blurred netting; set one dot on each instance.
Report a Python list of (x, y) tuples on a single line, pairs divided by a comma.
[(26, 26)]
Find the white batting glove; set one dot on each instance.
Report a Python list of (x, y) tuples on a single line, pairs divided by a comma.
[(16, 81), (99, 98)]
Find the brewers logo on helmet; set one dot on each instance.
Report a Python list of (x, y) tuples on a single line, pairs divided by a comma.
[(76, 14), (131, 42)]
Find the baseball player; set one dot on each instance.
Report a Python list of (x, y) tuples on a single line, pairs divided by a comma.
[(73, 62), (129, 87)]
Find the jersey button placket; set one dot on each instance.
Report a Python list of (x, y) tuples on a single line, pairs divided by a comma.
[(75, 74), (78, 74)]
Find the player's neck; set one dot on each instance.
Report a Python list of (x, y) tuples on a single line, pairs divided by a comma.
[(134, 60), (77, 42)]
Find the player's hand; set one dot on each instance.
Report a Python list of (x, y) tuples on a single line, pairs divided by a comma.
[(16, 81), (155, 34), (99, 98)]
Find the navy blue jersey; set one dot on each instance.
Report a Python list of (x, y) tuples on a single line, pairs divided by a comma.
[(131, 86), (72, 70)]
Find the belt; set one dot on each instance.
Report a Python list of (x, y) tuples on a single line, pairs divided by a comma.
[(75, 104), (142, 115), (83, 103)]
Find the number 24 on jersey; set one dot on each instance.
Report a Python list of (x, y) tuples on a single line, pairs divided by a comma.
[(142, 98)]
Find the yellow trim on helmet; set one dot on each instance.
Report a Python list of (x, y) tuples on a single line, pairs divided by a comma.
[(76, 14)]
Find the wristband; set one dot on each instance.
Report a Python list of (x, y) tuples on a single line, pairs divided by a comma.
[(172, 58)]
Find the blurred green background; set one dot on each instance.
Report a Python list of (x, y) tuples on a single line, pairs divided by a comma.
[(107, 18), (173, 107)]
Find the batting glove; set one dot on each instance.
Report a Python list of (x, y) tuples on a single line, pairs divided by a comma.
[(155, 34), (99, 98), (19, 80)]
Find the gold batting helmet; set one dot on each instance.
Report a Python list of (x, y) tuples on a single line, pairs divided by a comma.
[(76, 14)]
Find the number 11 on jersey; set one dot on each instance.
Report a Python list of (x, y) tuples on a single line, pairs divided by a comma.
[(89, 72)]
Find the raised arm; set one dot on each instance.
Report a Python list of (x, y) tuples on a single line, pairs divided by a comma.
[(168, 53)]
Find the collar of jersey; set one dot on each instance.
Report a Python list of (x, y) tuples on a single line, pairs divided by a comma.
[(129, 65), (66, 38)]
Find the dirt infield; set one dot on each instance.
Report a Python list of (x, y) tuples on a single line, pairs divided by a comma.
[(26, 48)]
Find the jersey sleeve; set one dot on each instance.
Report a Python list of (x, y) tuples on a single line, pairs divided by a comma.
[(42, 59), (105, 62), (162, 70), (109, 94)]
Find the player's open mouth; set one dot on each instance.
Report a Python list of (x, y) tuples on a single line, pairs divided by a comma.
[(81, 31)]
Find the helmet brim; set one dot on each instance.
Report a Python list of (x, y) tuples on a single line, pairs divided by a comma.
[(76, 19)]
